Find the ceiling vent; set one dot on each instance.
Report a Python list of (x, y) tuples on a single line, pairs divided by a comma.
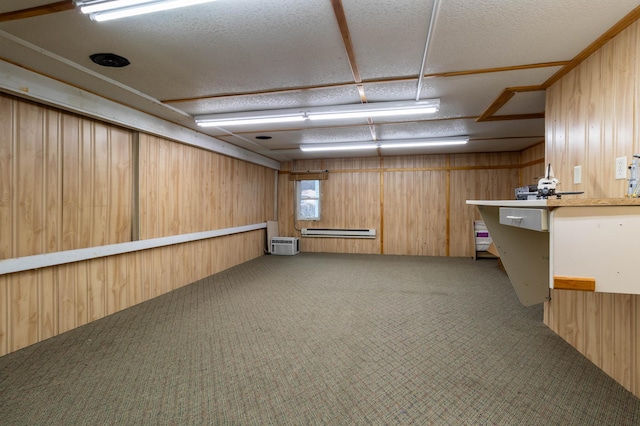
[(109, 60)]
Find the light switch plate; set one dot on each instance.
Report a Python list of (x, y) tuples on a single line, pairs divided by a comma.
[(621, 168), (577, 174)]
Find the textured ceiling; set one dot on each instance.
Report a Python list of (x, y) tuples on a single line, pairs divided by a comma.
[(248, 55)]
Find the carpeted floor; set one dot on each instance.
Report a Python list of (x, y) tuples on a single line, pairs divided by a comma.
[(318, 339)]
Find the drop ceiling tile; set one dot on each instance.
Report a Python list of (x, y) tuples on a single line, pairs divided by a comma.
[(219, 47), (495, 33), (347, 94), (388, 36)]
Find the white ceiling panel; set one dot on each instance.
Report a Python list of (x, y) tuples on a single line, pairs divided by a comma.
[(460, 96), (293, 138), (58, 68), (233, 46), (478, 34), (524, 103), (388, 36), (460, 127), (345, 94)]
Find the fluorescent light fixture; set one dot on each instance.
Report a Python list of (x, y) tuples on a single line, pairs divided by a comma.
[(91, 6), (399, 143), (377, 109), (338, 146), (380, 109), (105, 10), (250, 120), (409, 143)]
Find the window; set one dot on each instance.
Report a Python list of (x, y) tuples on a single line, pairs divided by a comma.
[(308, 200)]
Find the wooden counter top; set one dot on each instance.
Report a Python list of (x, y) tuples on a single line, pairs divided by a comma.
[(553, 203), (592, 202)]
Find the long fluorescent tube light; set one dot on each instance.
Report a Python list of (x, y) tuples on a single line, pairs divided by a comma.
[(105, 10), (338, 146), (377, 109), (256, 120), (399, 143), (408, 143), (91, 6), (380, 109), (360, 114)]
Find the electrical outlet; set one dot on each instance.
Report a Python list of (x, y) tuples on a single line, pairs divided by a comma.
[(621, 168), (577, 174)]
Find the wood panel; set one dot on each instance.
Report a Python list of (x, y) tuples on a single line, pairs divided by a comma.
[(29, 163), (488, 160), (97, 175), (45, 302), (603, 327), (97, 292), (415, 213), (592, 119), (5, 321), (349, 200), (337, 164), (66, 183), (47, 306), (184, 189), (489, 176), (286, 205), (532, 164), (6, 178), (421, 199)]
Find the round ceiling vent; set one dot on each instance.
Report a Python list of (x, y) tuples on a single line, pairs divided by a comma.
[(109, 60), (263, 137)]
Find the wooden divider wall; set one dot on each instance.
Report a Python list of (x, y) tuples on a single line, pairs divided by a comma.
[(66, 182), (42, 303), (592, 119)]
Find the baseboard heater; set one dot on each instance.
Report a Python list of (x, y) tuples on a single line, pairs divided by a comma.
[(338, 233)]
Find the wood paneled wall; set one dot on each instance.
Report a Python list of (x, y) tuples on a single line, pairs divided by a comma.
[(592, 119), (417, 204), (184, 189), (66, 182), (532, 164), (45, 302)]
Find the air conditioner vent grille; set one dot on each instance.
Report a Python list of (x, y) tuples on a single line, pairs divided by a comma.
[(286, 246)]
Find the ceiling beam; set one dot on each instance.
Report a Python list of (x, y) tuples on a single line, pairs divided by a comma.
[(45, 9), (532, 116), (364, 82), (502, 99), (338, 10)]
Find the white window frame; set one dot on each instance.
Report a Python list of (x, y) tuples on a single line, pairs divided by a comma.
[(301, 198)]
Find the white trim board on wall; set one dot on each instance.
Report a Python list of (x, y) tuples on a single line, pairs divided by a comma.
[(18, 264)]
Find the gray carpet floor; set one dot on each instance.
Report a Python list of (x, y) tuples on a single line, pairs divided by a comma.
[(318, 339)]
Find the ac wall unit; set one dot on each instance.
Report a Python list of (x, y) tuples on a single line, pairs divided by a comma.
[(285, 246), (338, 233)]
